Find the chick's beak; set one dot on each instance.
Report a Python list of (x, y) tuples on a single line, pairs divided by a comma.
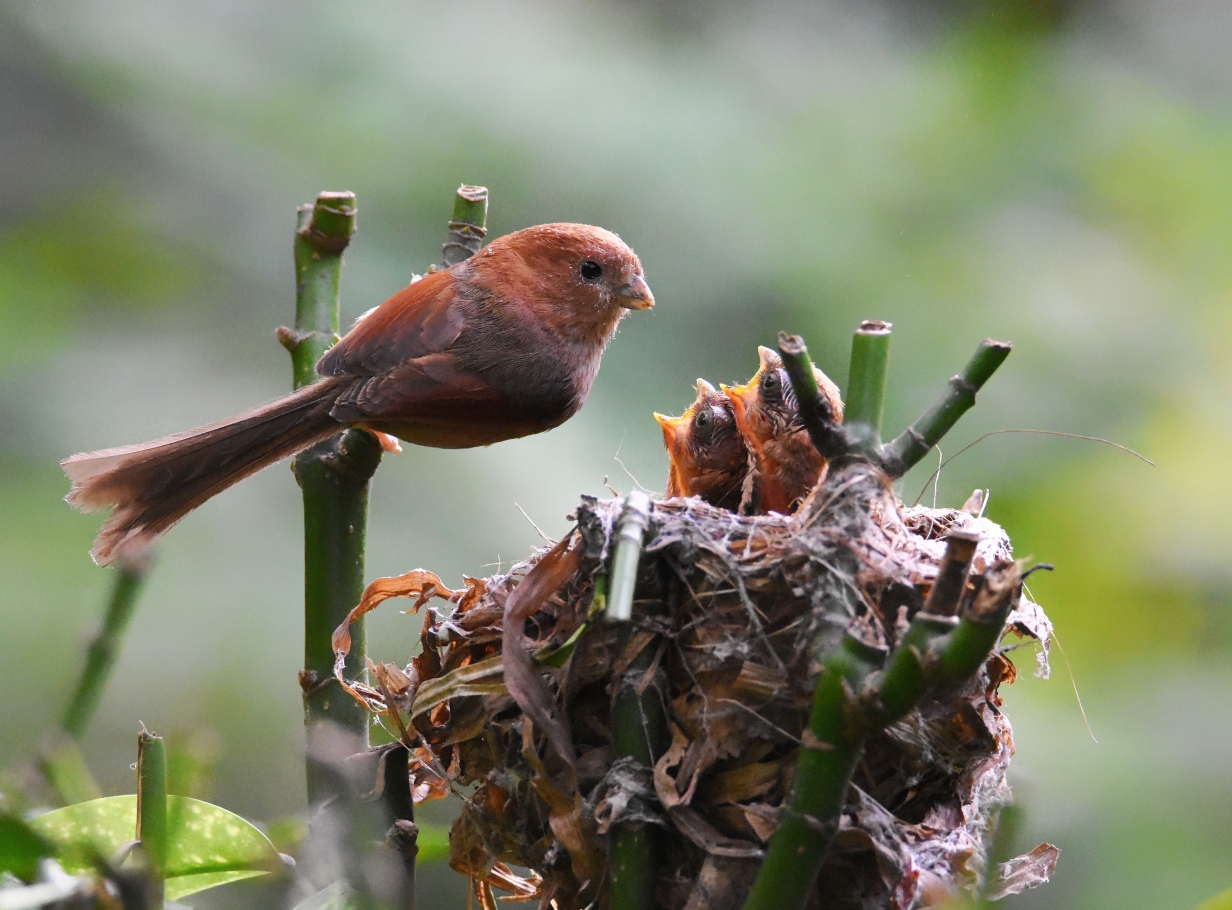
[(635, 294), (739, 395), (671, 427)]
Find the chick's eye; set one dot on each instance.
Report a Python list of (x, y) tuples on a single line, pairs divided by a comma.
[(770, 382), (703, 418), (591, 270)]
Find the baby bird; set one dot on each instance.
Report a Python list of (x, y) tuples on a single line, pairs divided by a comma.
[(783, 465), (707, 453)]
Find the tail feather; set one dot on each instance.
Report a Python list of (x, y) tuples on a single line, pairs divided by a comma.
[(154, 484)]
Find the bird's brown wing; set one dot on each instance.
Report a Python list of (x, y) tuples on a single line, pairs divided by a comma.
[(430, 401), (423, 318)]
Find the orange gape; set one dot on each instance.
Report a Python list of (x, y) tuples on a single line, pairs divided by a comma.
[(504, 344), (783, 465), (705, 449)]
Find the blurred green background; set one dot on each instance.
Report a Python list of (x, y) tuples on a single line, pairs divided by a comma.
[(1056, 174)]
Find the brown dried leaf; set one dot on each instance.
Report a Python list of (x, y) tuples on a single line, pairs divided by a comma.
[(691, 824), (522, 680), (1027, 871), (722, 884), (519, 888), (763, 819), (418, 583), (484, 678), (572, 826), (476, 588), (740, 784), (666, 784)]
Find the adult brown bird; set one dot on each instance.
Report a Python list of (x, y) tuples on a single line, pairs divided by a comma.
[(706, 453), (783, 465), (501, 345)]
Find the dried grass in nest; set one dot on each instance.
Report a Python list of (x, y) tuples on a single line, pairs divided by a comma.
[(741, 612)]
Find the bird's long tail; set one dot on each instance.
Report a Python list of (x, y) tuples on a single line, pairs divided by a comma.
[(155, 484)]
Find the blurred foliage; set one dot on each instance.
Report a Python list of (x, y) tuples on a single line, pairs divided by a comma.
[(1060, 177)]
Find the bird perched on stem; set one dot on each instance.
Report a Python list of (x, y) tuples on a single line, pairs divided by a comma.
[(783, 464), (501, 345), (706, 452)]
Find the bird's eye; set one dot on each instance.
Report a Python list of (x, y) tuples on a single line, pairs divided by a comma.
[(770, 381), (703, 425), (591, 270)]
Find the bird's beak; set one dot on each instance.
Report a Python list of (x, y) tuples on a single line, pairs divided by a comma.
[(671, 427), (738, 397), (741, 396), (635, 294)]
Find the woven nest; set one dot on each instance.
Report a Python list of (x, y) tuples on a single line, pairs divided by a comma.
[(510, 707)]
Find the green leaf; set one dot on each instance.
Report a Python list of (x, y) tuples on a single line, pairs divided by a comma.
[(1221, 901), (433, 843), (207, 845), (21, 848)]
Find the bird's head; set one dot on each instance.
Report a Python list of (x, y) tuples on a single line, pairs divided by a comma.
[(579, 278)]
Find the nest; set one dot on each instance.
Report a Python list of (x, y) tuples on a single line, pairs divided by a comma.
[(510, 703)]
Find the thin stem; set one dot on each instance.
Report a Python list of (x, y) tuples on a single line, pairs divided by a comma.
[(827, 436), (912, 444), (105, 647), (866, 382), (402, 834), (152, 807), (65, 768), (831, 747), (469, 225), (333, 476), (630, 532)]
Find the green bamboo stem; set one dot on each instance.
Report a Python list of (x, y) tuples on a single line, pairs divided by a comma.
[(105, 647), (907, 672), (937, 652), (1004, 842), (639, 724), (152, 808), (630, 532), (334, 477), (905, 450), (633, 867), (815, 411), (906, 675), (640, 731), (942, 652), (469, 225), (323, 231), (829, 752), (981, 625), (866, 382)]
